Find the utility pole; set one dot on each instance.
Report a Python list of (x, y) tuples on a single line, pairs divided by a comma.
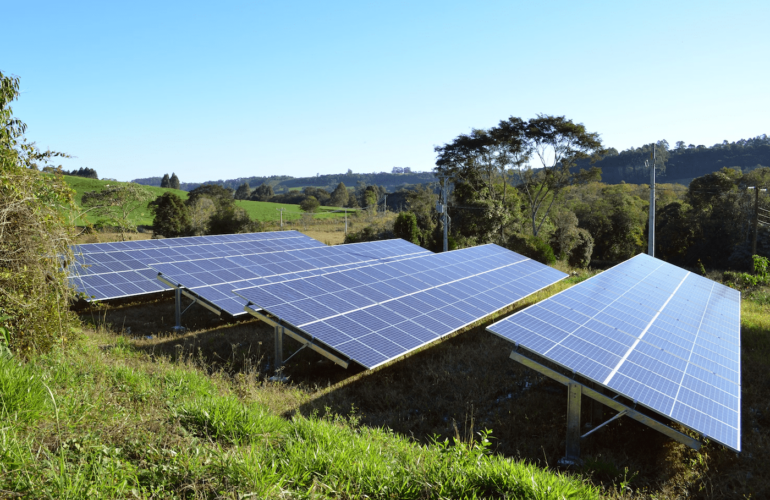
[(444, 211), (756, 217), (385, 205), (346, 222), (651, 222), (281, 210)]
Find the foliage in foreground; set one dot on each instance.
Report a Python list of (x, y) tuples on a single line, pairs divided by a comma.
[(117, 424), (33, 233)]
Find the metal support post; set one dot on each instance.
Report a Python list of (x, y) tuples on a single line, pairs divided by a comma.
[(651, 223), (597, 409), (178, 309), (575, 393), (346, 222), (278, 347)]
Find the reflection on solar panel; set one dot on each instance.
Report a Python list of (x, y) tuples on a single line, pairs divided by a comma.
[(112, 270), (214, 279), (665, 338), (377, 313)]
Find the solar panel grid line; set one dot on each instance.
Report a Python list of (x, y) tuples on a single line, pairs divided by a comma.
[(418, 344), (394, 299), (641, 336), (387, 250), (409, 334)]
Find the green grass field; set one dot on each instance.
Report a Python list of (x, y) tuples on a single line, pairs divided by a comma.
[(257, 210)]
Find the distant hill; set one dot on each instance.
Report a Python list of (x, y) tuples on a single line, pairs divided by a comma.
[(683, 162), (283, 183)]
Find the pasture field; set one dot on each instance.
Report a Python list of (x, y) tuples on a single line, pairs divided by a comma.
[(258, 210)]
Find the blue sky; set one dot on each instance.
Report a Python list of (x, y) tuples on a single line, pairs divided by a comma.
[(220, 90)]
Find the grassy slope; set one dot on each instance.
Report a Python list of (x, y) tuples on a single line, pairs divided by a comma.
[(257, 210), (119, 423)]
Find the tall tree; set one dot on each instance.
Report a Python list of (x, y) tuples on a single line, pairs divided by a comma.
[(243, 192), (263, 192), (171, 217), (173, 182), (220, 196), (165, 182), (339, 197), (556, 144)]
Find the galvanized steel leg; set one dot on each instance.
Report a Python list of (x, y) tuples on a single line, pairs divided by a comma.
[(178, 309), (574, 396), (278, 347), (597, 409)]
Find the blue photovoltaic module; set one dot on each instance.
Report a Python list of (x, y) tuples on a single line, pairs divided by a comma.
[(664, 337), (214, 279), (113, 270), (379, 312)]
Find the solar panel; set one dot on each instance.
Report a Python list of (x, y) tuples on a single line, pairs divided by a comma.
[(376, 313), (658, 334), (121, 269), (214, 279)]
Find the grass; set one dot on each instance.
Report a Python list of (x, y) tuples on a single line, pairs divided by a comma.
[(257, 210), (123, 423), (141, 411)]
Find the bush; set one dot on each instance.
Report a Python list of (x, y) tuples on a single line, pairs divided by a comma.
[(309, 204), (172, 218), (580, 256), (406, 228), (230, 220), (533, 247), (34, 240)]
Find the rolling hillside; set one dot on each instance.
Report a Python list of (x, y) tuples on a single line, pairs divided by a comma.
[(257, 210)]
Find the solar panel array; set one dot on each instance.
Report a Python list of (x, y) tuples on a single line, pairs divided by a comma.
[(113, 270), (379, 312), (664, 337), (214, 279)]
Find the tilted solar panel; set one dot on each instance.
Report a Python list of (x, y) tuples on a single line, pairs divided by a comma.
[(658, 334), (121, 269), (214, 279), (376, 313)]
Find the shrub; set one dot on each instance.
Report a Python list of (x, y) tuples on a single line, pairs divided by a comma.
[(309, 204), (406, 228), (580, 256), (34, 240), (533, 247), (172, 218)]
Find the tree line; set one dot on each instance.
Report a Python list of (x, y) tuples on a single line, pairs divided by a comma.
[(517, 185)]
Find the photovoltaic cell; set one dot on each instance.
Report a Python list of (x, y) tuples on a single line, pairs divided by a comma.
[(295, 266), (658, 334), (102, 270), (382, 311)]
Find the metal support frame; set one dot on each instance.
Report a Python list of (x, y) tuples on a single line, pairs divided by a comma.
[(284, 330), (178, 292), (576, 389)]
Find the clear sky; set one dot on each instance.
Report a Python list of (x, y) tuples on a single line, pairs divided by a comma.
[(219, 90)]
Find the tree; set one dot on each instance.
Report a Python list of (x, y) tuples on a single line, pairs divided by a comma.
[(405, 227), (309, 204), (117, 204), (164, 183), (339, 197), (263, 192), (479, 164), (370, 197), (174, 183), (243, 192), (231, 220), (172, 218), (556, 143), (221, 197), (200, 212)]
